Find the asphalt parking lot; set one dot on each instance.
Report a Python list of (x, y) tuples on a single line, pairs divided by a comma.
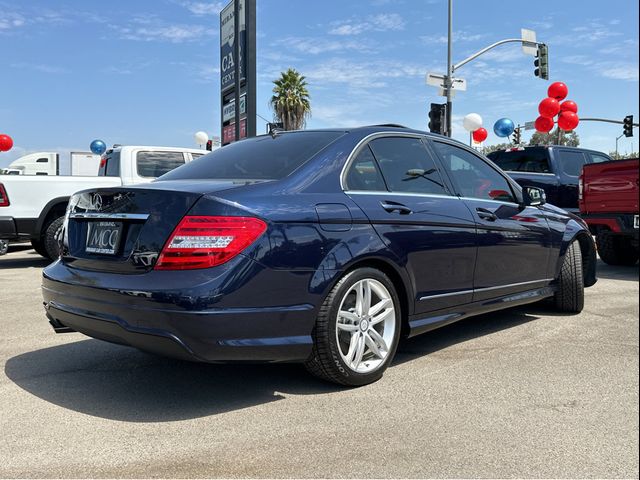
[(521, 393)]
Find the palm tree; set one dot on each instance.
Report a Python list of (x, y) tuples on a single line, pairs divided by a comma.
[(290, 100)]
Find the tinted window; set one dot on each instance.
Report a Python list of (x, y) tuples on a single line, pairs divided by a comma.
[(112, 165), (155, 164), (572, 162), (475, 177), (260, 158), (535, 161), (597, 158), (364, 174), (407, 166), (42, 160), (197, 155)]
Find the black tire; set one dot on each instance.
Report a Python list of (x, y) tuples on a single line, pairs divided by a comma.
[(38, 246), (616, 249), (4, 247), (570, 295), (51, 238), (326, 361)]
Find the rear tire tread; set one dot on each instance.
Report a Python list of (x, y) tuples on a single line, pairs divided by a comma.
[(570, 295)]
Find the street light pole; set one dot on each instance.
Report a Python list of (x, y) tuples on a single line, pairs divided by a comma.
[(618, 138), (448, 79)]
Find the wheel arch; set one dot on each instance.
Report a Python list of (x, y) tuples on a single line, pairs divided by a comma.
[(397, 279), (55, 208)]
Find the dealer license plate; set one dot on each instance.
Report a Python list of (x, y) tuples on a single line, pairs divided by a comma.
[(103, 237)]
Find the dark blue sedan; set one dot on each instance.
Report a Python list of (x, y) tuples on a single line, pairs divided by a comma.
[(319, 246)]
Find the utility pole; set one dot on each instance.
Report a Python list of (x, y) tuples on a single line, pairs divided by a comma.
[(448, 79)]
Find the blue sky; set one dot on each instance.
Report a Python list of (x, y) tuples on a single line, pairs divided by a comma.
[(147, 72)]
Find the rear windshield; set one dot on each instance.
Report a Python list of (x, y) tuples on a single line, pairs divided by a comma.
[(260, 158), (534, 160), (110, 164)]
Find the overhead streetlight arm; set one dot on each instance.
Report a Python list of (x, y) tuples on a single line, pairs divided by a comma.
[(494, 45)]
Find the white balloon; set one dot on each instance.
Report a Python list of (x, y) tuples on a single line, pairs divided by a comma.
[(472, 122), (201, 137)]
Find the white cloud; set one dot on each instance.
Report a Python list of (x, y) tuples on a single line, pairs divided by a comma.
[(150, 28), (620, 71), (315, 46), (459, 36), (361, 75), (377, 23), (203, 8), (39, 67)]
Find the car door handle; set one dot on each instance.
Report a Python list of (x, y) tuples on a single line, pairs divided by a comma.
[(396, 207), (485, 214)]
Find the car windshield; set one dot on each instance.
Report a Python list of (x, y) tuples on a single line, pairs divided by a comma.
[(262, 158)]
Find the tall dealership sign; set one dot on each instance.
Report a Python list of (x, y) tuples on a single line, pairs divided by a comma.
[(238, 70)]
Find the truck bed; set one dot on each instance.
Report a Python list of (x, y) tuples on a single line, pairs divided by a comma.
[(610, 187)]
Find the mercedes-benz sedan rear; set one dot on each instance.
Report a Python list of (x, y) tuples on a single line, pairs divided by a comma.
[(322, 247)]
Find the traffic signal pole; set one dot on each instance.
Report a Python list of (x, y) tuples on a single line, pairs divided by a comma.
[(451, 68), (448, 79)]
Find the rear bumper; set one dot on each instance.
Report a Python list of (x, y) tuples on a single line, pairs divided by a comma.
[(8, 228), (178, 323), (617, 223), (16, 228)]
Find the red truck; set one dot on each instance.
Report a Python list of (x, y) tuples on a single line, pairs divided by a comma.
[(608, 198)]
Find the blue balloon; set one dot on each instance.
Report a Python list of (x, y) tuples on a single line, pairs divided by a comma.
[(504, 127), (98, 147)]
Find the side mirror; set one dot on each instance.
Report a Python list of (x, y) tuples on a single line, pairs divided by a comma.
[(533, 196)]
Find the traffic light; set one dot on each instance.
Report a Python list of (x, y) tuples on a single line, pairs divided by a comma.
[(516, 136), (627, 126), (209, 145), (437, 118), (542, 62)]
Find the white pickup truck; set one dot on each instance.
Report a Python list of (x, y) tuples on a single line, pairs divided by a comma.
[(33, 207)]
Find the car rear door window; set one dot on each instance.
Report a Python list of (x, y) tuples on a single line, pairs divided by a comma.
[(155, 164), (407, 166), (572, 162), (474, 177), (364, 174), (111, 164)]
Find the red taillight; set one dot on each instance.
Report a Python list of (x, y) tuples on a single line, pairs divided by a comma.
[(4, 198), (203, 242)]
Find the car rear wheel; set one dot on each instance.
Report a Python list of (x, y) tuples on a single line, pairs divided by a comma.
[(357, 329), (52, 236), (570, 295), (4, 247), (38, 246)]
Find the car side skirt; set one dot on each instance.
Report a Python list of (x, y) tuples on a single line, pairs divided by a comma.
[(440, 318)]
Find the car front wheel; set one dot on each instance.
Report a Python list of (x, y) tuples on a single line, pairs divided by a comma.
[(570, 294), (357, 329)]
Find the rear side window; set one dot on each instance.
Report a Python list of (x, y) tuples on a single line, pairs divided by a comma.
[(598, 158), (407, 166), (110, 165), (534, 161), (572, 162), (475, 178), (364, 174), (155, 164), (261, 158)]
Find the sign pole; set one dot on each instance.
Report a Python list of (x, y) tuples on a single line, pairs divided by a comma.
[(250, 65), (236, 65), (449, 78)]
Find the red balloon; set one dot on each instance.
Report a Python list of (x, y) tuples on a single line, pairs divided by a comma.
[(549, 107), (480, 135), (558, 90), (5, 143), (544, 124), (569, 106), (568, 121)]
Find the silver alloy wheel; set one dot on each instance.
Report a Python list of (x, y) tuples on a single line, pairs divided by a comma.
[(366, 325)]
